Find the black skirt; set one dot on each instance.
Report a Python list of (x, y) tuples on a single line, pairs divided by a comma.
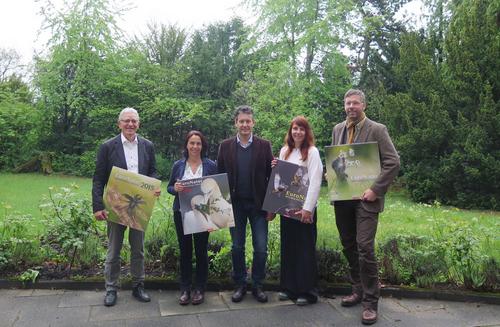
[(299, 269)]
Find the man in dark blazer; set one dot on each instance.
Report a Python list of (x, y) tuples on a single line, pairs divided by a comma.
[(132, 152), (246, 159), (357, 219)]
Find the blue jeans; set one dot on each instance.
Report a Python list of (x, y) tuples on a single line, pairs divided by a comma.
[(243, 211)]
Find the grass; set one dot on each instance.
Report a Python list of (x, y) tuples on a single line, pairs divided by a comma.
[(23, 193)]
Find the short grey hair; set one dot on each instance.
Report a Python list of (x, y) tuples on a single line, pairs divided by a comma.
[(127, 110), (357, 92), (244, 109)]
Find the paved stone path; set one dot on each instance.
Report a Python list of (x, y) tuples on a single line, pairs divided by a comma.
[(39, 308)]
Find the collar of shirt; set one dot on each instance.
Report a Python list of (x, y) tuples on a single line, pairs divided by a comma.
[(124, 139), (250, 140)]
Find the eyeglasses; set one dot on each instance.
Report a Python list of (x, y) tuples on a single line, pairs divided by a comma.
[(128, 121)]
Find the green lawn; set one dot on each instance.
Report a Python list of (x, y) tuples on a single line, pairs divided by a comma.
[(23, 193)]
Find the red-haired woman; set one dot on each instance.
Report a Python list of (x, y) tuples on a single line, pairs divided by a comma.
[(298, 279)]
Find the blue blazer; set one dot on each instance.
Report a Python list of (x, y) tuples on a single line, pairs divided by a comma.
[(209, 168)]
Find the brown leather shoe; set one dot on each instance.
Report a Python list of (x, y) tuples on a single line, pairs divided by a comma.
[(184, 298), (350, 300), (198, 297), (369, 316)]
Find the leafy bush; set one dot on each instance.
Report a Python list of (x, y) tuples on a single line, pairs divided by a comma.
[(332, 265), (73, 164), (72, 230), (465, 260), (413, 260), (163, 167), (220, 262), (18, 244), (18, 132)]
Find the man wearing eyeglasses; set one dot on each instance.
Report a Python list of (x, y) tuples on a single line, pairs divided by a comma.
[(134, 153), (357, 220)]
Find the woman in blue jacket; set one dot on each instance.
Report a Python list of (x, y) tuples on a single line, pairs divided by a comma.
[(193, 165)]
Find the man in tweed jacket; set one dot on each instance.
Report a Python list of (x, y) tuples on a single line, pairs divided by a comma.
[(357, 219)]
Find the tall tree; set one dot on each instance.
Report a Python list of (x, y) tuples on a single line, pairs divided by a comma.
[(215, 61), (300, 32), (164, 44), (375, 41), (10, 64), (71, 77)]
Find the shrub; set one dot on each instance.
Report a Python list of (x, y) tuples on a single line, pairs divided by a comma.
[(73, 164), (332, 265), (18, 246), (72, 232), (163, 166), (465, 260), (413, 260), (220, 262)]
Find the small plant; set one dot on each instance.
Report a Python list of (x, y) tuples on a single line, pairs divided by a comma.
[(273, 249), (332, 265), (465, 259), (72, 229), (413, 260), (18, 244), (29, 275), (219, 259)]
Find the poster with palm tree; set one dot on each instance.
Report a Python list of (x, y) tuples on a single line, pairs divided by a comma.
[(129, 198)]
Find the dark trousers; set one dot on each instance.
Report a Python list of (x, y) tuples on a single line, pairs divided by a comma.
[(357, 228), (299, 268), (245, 211), (186, 256)]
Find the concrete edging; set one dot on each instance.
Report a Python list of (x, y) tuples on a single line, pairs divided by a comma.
[(325, 289)]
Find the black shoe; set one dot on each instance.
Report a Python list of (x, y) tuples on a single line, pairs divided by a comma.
[(141, 295), (110, 298), (259, 294), (239, 293)]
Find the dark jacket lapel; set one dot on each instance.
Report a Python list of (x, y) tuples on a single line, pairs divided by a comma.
[(122, 163), (141, 155)]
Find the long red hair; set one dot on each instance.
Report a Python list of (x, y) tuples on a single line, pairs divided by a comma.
[(300, 121)]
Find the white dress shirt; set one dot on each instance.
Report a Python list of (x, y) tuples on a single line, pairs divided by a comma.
[(131, 151), (244, 146), (314, 170)]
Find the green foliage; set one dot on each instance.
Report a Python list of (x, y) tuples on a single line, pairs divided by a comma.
[(163, 167), (29, 275), (72, 232), (273, 249), (332, 265), (465, 259), (220, 264), (76, 165), (18, 240), (17, 120), (160, 240), (413, 260), (214, 60), (71, 78)]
